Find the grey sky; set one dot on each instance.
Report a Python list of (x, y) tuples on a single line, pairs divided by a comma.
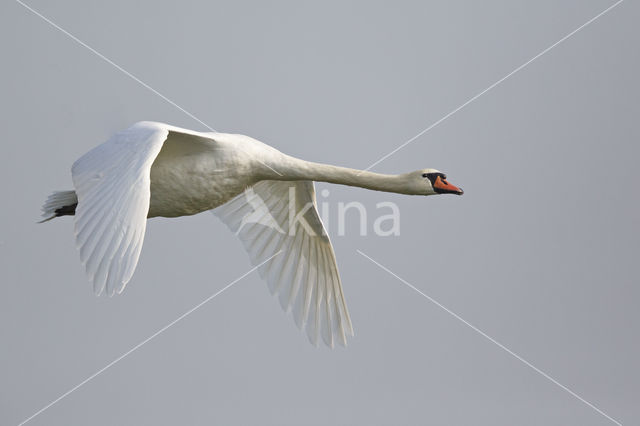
[(540, 253)]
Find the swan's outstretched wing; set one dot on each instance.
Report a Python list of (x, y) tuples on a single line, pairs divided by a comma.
[(113, 187), (275, 216)]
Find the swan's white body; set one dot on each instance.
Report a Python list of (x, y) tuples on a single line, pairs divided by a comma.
[(195, 172), (153, 169)]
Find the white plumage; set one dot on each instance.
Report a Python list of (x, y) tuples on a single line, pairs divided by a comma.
[(266, 197)]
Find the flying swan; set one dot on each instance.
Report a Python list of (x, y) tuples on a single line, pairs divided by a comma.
[(266, 197)]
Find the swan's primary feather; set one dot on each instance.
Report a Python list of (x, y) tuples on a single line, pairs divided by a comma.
[(305, 274)]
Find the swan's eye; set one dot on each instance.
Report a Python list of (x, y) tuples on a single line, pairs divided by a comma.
[(425, 175)]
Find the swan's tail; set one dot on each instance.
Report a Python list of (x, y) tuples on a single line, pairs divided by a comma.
[(60, 203)]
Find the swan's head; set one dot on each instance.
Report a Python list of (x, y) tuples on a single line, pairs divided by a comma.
[(431, 182)]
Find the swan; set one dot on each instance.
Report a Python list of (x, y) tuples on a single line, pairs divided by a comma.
[(264, 196)]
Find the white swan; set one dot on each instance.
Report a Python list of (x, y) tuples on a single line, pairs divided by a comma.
[(153, 169)]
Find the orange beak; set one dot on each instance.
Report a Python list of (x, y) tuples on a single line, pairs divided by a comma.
[(444, 187)]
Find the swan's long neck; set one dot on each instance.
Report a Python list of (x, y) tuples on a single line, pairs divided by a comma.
[(290, 168)]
